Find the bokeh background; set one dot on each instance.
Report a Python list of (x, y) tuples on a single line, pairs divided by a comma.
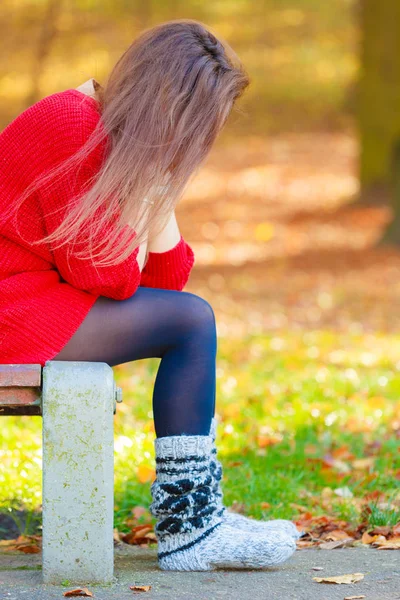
[(294, 223)]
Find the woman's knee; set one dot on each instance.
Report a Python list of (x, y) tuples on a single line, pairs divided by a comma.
[(197, 314)]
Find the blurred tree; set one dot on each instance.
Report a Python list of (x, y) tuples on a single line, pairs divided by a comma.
[(47, 35), (301, 54), (379, 106)]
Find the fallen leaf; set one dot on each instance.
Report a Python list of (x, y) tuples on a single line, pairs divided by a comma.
[(237, 507), (306, 516), (339, 579), (343, 492), (393, 544), (145, 474), (139, 511), (116, 535), (342, 452), (263, 441), (79, 592), (140, 588), (375, 496), (317, 568), (23, 543), (300, 544), (300, 508), (337, 544), (141, 534), (311, 449), (333, 463), (29, 549), (366, 538), (354, 597), (336, 535), (381, 530), (7, 542), (363, 463), (396, 529), (378, 540)]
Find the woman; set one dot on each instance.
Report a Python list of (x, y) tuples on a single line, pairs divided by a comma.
[(92, 265)]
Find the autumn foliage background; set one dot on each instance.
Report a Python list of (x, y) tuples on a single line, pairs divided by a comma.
[(287, 243)]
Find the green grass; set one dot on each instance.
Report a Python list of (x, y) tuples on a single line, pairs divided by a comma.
[(302, 417)]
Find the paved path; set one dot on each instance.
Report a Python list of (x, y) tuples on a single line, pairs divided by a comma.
[(20, 578)]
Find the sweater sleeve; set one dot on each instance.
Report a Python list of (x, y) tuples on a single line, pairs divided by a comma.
[(169, 270), (58, 126), (118, 281)]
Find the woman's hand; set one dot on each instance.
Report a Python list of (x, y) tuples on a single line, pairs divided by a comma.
[(143, 247), (141, 257), (165, 240), (168, 237)]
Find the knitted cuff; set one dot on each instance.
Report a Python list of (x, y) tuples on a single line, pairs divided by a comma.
[(179, 258), (183, 447)]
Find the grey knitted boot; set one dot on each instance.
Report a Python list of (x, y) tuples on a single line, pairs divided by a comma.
[(240, 521), (191, 531)]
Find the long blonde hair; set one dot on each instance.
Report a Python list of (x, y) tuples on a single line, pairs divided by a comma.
[(162, 107)]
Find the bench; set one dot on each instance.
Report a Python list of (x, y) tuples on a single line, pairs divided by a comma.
[(77, 402)]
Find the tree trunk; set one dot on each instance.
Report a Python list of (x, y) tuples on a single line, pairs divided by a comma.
[(392, 233), (379, 99), (46, 37)]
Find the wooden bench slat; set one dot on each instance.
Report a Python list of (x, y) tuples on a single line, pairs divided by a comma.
[(20, 375), (21, 411), (17, 396)]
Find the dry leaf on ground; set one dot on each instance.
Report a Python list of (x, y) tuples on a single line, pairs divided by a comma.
[(336, 535), (351, 578), (338, 544), (139, 511), (393, 544), (367, 539), (140, 588), (396, 529), (354, 597), (145, 474), (141, 534), (343, 492), (381, 530), (300, 544), (78, 592), (23, 543), (29, 549), (364, 463)]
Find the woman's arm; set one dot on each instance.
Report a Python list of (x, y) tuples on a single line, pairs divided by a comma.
[(170, 259), (141, 257), (167, 238)]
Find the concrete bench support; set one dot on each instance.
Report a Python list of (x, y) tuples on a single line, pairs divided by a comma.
[(78, 404)]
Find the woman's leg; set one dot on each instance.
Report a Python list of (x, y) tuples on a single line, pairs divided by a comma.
[(193, 529), (179, 328)]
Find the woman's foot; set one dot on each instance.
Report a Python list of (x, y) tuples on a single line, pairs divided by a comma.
[(223, 546), (240, 521), (191, 529), (254, 526)]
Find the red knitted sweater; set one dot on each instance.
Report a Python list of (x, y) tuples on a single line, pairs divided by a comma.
[(43, 296)]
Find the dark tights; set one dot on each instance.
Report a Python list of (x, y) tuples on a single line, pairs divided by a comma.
[(179, 328)]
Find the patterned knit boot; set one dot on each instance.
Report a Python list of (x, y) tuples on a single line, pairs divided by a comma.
[(240, 521), (191, 531)]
